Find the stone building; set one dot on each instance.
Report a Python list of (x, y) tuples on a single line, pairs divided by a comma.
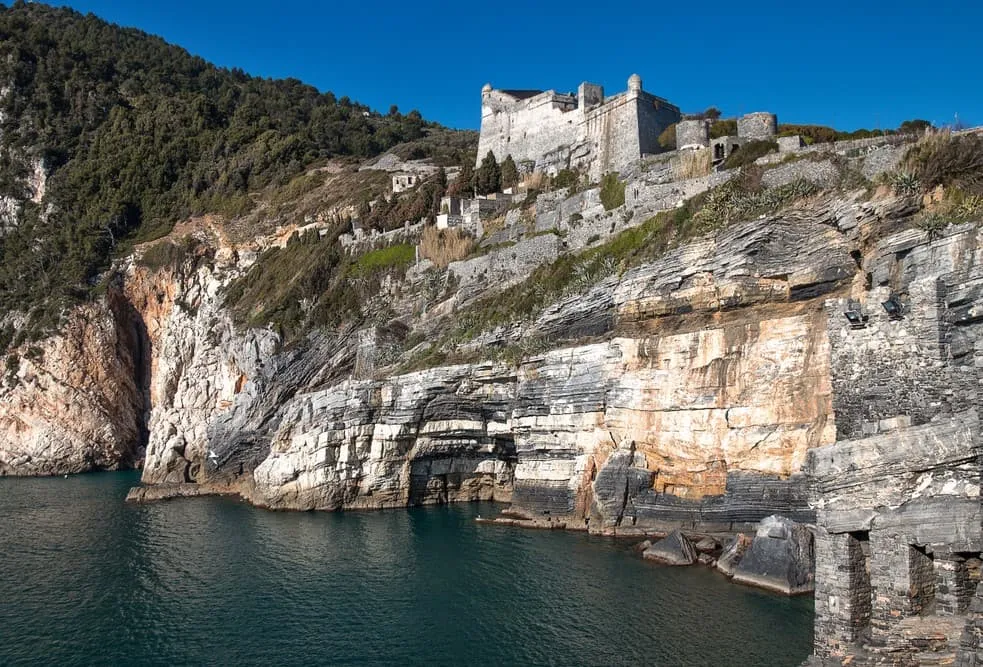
[(547, 131), (897, 497), (694, 134), (403, 181), (470, 214)]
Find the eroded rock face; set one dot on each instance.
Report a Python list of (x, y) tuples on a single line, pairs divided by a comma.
[(434, 436), (708, 427), (73, 402)]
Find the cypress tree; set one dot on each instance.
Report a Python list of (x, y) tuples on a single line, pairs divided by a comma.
[(510, 174), (488, 178)]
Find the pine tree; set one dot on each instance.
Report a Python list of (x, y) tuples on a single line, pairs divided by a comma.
[(510, 174), (488, 178)]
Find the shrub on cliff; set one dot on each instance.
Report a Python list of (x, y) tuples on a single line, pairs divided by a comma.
[(949, 160), (750, 152), (612, 192)]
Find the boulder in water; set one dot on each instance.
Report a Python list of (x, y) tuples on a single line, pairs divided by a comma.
[(673, 549), (733, 553), (781, 558)]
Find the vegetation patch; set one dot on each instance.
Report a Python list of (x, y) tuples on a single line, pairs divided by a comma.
[(950, 160), (612, 192), (136, 134), (749, 152), (386, 259), (172, 254), (443, 246)]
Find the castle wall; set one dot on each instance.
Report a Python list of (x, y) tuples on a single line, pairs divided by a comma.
[(526, 129), (589, 132)]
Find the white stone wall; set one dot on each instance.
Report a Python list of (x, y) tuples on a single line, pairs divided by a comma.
[(552, 132)]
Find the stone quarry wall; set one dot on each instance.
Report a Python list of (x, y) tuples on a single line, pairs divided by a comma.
[(703, 429)]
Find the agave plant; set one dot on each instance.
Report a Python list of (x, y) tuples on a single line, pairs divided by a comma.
[(905, 184), (970, 207)]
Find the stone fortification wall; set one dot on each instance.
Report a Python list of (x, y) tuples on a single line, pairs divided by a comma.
[(757, 126), (527, 129), (692, 134), (549, 132), (364, 242)]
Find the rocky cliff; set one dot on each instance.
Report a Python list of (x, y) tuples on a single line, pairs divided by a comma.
[(706, 386), (74, 402)]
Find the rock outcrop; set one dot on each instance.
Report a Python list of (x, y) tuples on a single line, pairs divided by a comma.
[(732, 554)]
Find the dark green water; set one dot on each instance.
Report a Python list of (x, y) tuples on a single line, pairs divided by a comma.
[(85, 579)]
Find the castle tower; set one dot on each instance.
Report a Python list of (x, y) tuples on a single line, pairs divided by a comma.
[(760, 125), (692, 134), (634, 84)]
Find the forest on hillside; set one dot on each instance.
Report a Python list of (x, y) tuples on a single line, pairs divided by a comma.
[(135, 134)]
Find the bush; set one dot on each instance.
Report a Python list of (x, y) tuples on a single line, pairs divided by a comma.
[(952, 161), (566, 178), (905, 184), (612, 192), (750, 152), (169, 254), (723, 128), (667, 139)]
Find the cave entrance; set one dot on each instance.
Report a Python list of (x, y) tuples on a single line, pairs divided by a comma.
[(861, 594)]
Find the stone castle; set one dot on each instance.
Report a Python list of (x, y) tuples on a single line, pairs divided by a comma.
[(547, 131)]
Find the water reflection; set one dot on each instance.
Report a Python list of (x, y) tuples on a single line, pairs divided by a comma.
[(86, 579)]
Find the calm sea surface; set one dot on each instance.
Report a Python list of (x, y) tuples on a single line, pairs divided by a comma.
[(85, 579)]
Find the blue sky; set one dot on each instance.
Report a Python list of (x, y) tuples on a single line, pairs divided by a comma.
[(848, 64)]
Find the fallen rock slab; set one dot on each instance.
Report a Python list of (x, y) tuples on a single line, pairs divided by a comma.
[(673, 549), (781, 558), (733, 553)]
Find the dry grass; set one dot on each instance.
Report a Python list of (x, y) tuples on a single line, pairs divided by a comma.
[(533, 181), (693, 164), (443, 246), (949, 160)]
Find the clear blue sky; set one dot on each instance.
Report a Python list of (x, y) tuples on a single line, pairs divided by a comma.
[(848, 64)]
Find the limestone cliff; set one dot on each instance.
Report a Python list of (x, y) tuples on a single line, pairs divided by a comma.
[(74, 401), (697, 407)]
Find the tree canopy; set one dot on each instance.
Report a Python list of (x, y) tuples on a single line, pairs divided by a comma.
[(135, 134)]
